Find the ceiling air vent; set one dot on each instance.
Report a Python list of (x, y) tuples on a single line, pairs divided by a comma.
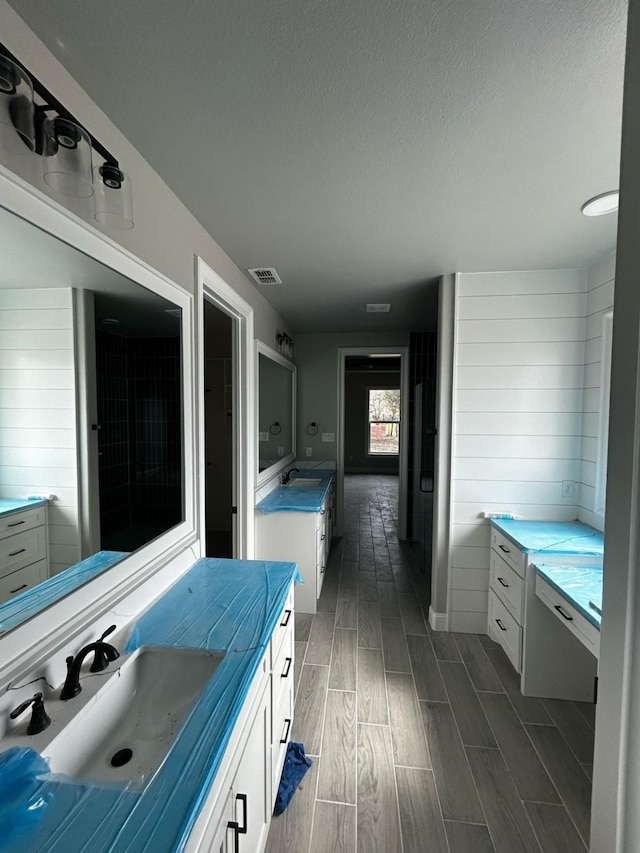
[(265, 275), (378, 307)]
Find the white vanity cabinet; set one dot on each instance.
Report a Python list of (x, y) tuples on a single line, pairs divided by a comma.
[(237, 814), (303, 538), (23, 550), (551, 663)]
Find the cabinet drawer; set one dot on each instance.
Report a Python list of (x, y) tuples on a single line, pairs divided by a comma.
[(18, 522), (21, 550), (282, 722), (18, 582), (509, 552), (282, 677), (570, 617), (507, 584), (284, 628), (504, 629)]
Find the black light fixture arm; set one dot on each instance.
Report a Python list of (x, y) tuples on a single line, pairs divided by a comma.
[(51, 103)]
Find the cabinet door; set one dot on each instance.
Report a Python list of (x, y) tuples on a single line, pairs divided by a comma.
[(252, 783)]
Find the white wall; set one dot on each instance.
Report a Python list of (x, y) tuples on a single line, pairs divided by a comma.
[(37, 410), (166, 235), (601, 280), (517, 423)]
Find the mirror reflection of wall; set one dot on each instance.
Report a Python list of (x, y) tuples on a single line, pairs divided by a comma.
[(276, 395), (59, 375)]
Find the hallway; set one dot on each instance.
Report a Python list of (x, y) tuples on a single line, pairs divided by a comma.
[(421, 740)]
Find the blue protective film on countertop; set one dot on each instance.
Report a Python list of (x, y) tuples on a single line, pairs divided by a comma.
[(229, 606), (559, 537), (26, 605), (296, 499), (580, 585), (9, 505)]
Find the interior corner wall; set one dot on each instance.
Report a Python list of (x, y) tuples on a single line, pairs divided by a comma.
[(166, 236), (600, 295), (517, 415), (317, 394)]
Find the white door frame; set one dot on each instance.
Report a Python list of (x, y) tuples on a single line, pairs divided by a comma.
[(403, 352), (210, 286)]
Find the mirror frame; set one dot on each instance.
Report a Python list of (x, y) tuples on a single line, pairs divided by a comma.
[(26, 643), (262, 349)]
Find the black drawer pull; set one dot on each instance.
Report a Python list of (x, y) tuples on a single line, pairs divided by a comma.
[(562, 613), (17, 589), (504, 583), (322, 570), (285, 621), (16, 523), (286, 734), (15, 553), (500, 625), (243, 799), (502, 548), (233, 824), (323, 537), (287, 667)]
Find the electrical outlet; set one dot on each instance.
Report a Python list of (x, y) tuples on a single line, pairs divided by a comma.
[(308, 451), (569, 488), (281, 451)]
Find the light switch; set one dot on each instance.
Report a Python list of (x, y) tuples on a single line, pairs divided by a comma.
[(328, 436), (263, 436)]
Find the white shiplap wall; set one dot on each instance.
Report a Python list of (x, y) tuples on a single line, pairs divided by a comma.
[(37, 410), (518, 380), (600, 291)]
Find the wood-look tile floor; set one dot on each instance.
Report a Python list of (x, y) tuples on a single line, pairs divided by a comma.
[(421, 741)]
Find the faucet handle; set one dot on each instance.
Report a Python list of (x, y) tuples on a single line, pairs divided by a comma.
[(39, 717), (104, 654)]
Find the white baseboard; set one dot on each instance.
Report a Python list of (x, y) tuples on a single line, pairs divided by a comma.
[(438, 621)]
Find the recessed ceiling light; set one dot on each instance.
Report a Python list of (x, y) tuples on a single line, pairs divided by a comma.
[(378, 307), (601, 204)]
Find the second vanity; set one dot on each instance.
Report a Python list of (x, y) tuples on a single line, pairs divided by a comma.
[(553, 649), (295, 522), (24, 552), (214, 790)]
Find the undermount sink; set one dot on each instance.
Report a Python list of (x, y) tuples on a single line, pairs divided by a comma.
[(125, 730), (304, 483)]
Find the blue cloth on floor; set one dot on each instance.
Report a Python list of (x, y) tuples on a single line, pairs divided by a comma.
[(296, 765)]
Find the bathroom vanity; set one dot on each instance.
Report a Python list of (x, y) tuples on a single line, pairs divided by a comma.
[(211, 784), (295, 522), (551, 661), (24, 559)]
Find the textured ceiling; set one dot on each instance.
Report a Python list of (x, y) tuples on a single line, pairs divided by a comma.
[(365, 147)]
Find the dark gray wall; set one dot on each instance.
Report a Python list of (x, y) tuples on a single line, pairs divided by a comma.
[(356, 458)]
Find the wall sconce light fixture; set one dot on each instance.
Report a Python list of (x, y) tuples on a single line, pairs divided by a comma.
[(48, 129)]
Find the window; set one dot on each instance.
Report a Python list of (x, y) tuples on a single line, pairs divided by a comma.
[(384, 421)]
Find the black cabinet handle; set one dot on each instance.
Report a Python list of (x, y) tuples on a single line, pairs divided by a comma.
[(504, 584), (562, 613), (287, 667), (500, 625), (243, 799), (232, 824), (285, 621), (17, 589), (16, 523), (322, 570), (502, 548), (286, 734), (15, 553)]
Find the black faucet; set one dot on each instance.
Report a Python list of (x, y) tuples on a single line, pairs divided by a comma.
[(104, 654), (286, 475), (39, 717)]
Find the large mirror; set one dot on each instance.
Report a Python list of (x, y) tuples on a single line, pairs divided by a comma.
[(276, 411), (91, 414)]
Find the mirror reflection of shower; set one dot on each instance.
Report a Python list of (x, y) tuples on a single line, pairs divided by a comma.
[(139, 423)]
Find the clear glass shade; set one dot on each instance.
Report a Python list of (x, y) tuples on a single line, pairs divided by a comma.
[(66, 157), (113, 203), (17, 133)]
